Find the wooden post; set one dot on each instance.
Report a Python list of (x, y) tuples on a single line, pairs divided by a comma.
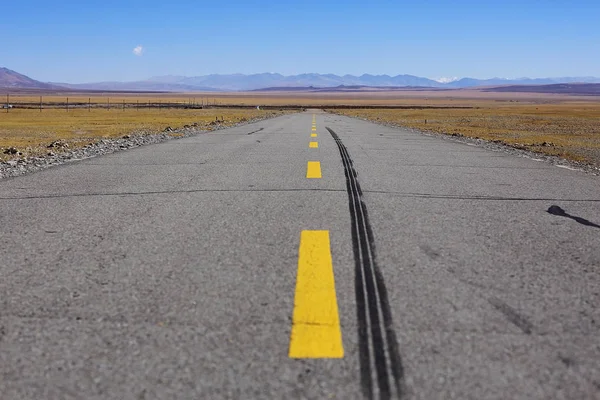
[(89, 104), (108, 104), (67, 104), (137, 105), (40, 103), (123, 105), (7, 101)]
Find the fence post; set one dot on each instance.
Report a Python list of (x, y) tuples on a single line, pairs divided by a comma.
[(89, 104), (108, 104), (40, 103), (67, 104), (123, 105), (7, 101)]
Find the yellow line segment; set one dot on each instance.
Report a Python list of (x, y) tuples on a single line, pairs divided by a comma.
[(313, 145), (313, 169), (313, 135), (316, 331)]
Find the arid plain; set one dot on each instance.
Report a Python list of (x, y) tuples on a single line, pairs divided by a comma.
[(562, 125)]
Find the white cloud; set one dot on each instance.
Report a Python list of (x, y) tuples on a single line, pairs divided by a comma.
[(138, 51), (446, 80)]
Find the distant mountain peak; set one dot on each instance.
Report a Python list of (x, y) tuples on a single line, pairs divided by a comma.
[(14, 80)]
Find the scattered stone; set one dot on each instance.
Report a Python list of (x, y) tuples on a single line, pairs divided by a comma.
[(101, 147)]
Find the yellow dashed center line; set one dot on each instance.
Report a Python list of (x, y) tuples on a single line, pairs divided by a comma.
[(313, 169), (316, 331), (313, 135), (313, 145)]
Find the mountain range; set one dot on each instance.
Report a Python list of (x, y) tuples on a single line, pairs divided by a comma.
[(242, 82)]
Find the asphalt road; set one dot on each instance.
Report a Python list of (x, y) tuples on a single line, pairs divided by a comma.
[(211, 267)]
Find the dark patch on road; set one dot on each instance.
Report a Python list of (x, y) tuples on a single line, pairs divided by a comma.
[(512, 315), (378, 346), (433, 254), (556, 210), (258, 130), (567, 361)]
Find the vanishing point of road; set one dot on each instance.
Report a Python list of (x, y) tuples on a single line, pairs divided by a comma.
[(307, 256)]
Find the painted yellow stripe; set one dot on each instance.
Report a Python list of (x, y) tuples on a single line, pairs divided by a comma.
[(313, 145), (313, 169), (316, 331), (314, 129), (313, 135)]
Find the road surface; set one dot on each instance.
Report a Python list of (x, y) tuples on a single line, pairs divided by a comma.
[(248, 263)]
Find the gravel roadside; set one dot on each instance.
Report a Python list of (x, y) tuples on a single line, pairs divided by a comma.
[(57, 153), (500, 147)]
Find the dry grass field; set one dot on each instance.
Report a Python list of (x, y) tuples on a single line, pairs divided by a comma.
[(31, 131), (566, 129), (454, 98)]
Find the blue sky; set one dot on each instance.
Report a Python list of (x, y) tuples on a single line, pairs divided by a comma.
[(86, 40)]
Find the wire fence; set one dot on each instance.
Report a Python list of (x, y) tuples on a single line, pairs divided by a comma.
[(14, 102)]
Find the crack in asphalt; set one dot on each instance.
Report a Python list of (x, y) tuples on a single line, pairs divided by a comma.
[(486, 198), (60, 196)]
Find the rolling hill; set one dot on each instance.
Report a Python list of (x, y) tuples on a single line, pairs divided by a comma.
[(14, 80)]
